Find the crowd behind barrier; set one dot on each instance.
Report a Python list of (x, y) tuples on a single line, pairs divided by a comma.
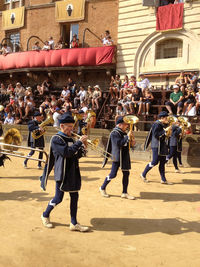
[(124, 96)]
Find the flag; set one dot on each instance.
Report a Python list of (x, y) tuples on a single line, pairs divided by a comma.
[(170, 17), (13, 18), (70, 10)]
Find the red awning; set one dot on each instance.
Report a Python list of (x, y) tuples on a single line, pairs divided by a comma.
[(93, 56)]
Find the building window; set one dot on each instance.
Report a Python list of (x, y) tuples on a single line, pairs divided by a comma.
[(171, 48), (67, 32), (14, 40)]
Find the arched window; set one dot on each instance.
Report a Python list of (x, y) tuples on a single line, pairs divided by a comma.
[(171, 48)]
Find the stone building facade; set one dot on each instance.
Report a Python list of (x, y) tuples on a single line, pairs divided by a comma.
[(139, 42)]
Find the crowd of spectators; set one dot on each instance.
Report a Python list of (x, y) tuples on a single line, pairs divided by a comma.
[(18, 104)]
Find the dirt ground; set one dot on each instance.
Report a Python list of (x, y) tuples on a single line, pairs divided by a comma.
[(160, 228)]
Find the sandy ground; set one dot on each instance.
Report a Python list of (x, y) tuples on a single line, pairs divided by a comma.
[(160, 228)]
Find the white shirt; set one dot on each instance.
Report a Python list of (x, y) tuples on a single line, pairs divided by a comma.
[(9, 120), (65, 93), (82, 95), (145, 83), (55, 118)]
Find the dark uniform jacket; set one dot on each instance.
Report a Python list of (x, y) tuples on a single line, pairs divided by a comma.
[(157, 137), (34, 125), (176, 131), (118, 145), (64, 155)]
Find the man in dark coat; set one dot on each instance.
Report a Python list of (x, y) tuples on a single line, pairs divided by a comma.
[(174, 145), (118, 145), (33, 125), (157, 137), (64, 155)]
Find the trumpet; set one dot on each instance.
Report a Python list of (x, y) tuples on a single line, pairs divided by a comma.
[(94, 145)]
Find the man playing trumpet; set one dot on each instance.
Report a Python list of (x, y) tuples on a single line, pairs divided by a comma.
[(118, 145)]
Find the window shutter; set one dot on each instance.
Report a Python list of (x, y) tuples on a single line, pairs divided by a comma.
[(151, 3)]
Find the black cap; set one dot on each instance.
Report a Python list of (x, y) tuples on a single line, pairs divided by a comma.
[(163, 114), (66, 118), (37, 113), (80, 111), (119, 120)]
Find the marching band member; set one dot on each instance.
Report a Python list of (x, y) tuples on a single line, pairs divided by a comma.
[(64, 155), (157, 137), (81, 122), (33, 143), (118, 144), (173, 145)]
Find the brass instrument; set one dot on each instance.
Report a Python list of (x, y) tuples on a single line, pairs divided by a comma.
[(11, 142), (171, 120), (94, 145), (185, 124), (86, 129), (131, 119), (37, 133)]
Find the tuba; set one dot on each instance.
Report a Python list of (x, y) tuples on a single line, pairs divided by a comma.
[(184, 125), (37, 133), (131, 119)]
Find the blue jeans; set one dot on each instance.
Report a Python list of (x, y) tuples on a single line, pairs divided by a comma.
[(156, 159)]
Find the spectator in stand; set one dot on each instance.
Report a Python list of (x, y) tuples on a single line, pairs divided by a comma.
[(84, 108), (46, 104), (51, 42), (175, 103), (40, 90), (36, 46), (67, 103), (124, 87), (3, 90), (190, 101), (19, 90), (21, 107), (80, 97), (5, 50), (75, 42), (17, 119), (53, 103), (126, 102), (29, 93), (59, 45), (9, 119), (105, 37), (193, 78), (89, 96), (46, 46), (56, 116), (109, 41), (96, 97), (136, 104), (120, 112), (72, 87), (46, 86), (115, 87), (10, 89), (65, 93), (182, 79), (147, 101), (29, 107), (132, 82), (143, 82), (198, 100)]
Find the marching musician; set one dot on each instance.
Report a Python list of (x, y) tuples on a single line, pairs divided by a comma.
[(39, 142), (81, 122), (64, 156), (173, 144), (118, 145), (157, 137)]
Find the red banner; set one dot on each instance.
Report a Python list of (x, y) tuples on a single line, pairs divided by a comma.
[(93, 56), (170, 17)]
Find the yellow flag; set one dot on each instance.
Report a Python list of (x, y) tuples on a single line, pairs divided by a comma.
[(13, 18), (70, 10)]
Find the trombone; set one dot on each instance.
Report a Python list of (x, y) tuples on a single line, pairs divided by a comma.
[(94, 145), (11, 143)]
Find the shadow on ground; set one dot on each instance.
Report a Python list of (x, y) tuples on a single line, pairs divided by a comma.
[(170, 196), (137, 226)]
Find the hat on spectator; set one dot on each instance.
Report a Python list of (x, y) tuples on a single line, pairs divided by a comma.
[(18, 83), (175, 86), (120, 120), (1, 108), (36, 114), (97, 86), (163, 114), (57, 109), (80, 111), (66, 118)]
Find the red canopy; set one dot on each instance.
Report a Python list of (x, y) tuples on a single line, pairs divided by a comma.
[(93, 56)]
